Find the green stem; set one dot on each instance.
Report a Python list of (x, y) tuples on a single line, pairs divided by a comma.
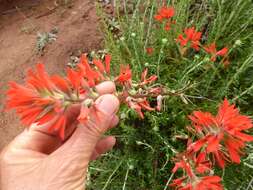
[(110, 177), (149, 25), (192, 69), (159, 60), (137, 55), (243, 93), (239, 71), (125, 180), (168, 182)]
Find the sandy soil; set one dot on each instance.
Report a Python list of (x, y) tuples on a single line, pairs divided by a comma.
[(20, 21)]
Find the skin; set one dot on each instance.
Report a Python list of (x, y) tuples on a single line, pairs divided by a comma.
[(42, 161)]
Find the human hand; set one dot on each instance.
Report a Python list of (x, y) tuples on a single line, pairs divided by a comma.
[(36, 160)]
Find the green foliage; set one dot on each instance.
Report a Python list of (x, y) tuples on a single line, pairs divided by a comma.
[(142, 158)]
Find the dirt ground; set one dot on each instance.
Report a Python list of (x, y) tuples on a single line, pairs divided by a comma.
[(20, 21)]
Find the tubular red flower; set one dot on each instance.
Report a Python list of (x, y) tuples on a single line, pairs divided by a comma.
[(42, 99), (108, 59), (211, 49), (192, 36), (149, 50), (125, 75), (99, 65), (222, 135), (145, 80), (165, 13), (197, 172)]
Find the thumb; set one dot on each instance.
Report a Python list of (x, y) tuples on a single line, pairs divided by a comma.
[(83, 141)]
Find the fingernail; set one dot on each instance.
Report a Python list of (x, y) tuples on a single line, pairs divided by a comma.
[(108, 103)]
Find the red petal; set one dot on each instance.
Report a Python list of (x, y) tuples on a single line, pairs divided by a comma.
[(234, 155), (222, 52), (243, 137), (99, 65), (213, 144), (219, 159), (107, 63)]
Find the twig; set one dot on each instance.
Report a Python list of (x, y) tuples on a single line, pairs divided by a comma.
[(250, 184), (20, 8), (168, 182), (110, 177), (49, 12), (125, 180)]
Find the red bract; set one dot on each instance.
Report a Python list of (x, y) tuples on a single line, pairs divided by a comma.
[(92, 76), (165, 13), (103, 68), (41, 100), (214, 53), (149, 50), (138, 105), (197, 172), (201, 183), (125, 76), (145, 80), (222, 135), (192, 36), (209, 183)]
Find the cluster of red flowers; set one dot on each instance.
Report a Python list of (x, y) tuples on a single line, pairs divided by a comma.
[(197, 173), (190, 37), (220, 139), (165, 14), (193, 38), (46, 99)]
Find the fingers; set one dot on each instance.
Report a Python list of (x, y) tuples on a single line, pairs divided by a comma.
[(103, 146), (85, 138), (107, 87)]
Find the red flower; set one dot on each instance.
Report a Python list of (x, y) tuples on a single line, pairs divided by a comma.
[(214, 53), (125, 75), (138, 105), (103, 68), (223, 134), (42, 99), (192, 36), (197, 170), (149, 50), (145, 80), (165, 13), (108, 59), (93, 77), (209, 183), (167, 26)]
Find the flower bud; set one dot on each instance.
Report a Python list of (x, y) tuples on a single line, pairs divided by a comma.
[(123, 116), (131, 167), (133, 34), (196, 57), (206, 59), (156, 128), (164, 40), (133, 92), (146, 64), (238, 43), (122, 38)]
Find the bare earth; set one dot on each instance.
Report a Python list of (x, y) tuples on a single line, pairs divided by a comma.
[(78, 30)]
